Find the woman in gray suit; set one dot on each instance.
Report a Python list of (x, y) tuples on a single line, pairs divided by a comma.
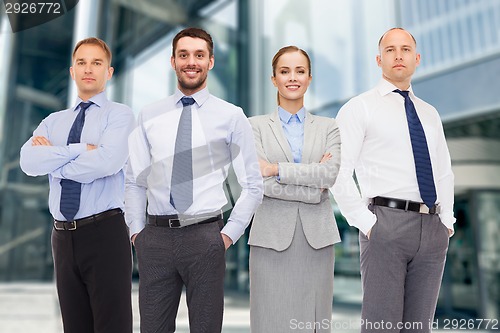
[(293, 231)]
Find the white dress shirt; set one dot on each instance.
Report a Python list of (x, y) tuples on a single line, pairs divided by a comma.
[(221, 135), (376, 144)]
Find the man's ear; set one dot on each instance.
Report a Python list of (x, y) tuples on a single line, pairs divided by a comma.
[(111, 70), (212, 63)]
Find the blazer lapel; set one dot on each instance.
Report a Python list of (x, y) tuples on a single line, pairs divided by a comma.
[(275, 124), (309, 138)]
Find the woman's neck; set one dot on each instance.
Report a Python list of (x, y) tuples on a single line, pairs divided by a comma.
[(292, 106)]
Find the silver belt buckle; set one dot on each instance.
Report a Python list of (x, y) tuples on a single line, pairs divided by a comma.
[(72, 225), (423, 209)]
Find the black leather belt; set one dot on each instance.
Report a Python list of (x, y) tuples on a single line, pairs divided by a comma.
[(405, 205), (73, 225), (176, 221)]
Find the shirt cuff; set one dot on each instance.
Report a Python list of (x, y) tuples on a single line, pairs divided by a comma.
[(366, 221), (233, 231), (448, 220), (135, 228)]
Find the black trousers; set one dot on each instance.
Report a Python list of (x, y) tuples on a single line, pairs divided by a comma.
[(93, 268), (192, 256)]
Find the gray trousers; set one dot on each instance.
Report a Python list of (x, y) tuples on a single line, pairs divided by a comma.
[(401, 269), (169, 259)]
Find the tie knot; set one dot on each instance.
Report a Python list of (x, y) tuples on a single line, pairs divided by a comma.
[(403, 93), (85, 105), (187, 101)]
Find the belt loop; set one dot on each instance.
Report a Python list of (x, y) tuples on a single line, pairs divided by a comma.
[(406, 205)]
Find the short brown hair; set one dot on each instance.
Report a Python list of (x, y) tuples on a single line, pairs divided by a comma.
[(95, 41), (195, 33)]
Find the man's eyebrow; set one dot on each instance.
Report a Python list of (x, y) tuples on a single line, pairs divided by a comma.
[(405, 45), (95, 59), (195, 51)]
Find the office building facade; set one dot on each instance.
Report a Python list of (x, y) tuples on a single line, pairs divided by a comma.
[(460, 45)]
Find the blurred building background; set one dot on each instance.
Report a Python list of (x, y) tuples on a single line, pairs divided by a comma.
[(459, 74)]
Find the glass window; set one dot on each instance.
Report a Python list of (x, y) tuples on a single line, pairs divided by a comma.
[(463, 40), (488, 251), (437, 48), (406, 12), (36, 85), (433, 8), (483, 30), (426, 59), (423, 11), (150, 75), (495, 26), (445, 44), (460, 282), (471, 32)]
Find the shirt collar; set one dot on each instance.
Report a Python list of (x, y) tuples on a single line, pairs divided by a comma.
[(100, 99), (285, 115), (384, 87), (199, 97)]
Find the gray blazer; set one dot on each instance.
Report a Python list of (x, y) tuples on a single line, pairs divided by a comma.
[(300, 189)]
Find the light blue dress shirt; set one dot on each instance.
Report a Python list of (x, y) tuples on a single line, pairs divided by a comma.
[(101, 171), (293, 127)]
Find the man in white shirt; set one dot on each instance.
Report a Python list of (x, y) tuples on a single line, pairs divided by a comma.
[(180, 154), (405, 209)]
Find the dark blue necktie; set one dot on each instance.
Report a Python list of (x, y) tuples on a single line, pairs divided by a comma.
[(181, 185), (71, 190), (421, 156)]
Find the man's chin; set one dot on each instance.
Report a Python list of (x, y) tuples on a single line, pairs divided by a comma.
[(191, 85)]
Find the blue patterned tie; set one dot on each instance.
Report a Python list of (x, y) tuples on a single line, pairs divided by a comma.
[(71, 190), (421, 156), (181, 185)]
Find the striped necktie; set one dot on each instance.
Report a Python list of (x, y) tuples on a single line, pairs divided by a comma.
[(181, 185), (421, 156), (71, 190)]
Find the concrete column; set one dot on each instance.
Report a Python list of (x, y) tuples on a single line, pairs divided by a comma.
[(6, 46), (86, 25)]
